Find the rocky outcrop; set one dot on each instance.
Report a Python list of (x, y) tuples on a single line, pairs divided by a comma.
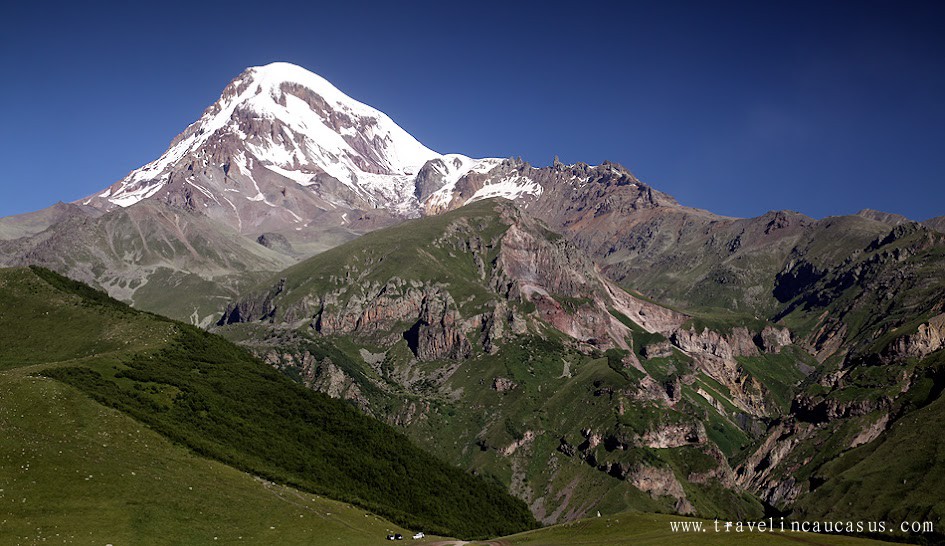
[(502, 384), (674, 435), (521, 264), (437, 333), (661, 349), (715, 354), (252, 309), (871, 432), (756, 473), (739, 342), (320, 375), (772, 339), (527, 437), (928, 338), (660, 482), (275, 241)]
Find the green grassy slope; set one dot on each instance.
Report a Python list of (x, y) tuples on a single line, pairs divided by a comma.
[(75, 472), (874, 294), (212, 397), (903, 470), (406, 251)]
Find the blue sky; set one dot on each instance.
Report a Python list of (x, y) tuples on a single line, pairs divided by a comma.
[(824, 107)]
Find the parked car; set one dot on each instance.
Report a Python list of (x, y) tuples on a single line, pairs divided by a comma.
[(419, 535)]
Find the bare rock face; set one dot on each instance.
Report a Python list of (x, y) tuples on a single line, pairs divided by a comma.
[(527, 438), (660, 482), (871, 432), (436, 333), (928, 338), (275, 241), (738, 343), (253, 309), (755, 474), (677, 435), (772, 339), (524, 264), (432, 177), (660, 349), (714, 353)]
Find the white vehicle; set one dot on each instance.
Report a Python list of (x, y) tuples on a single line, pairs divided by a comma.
[(419, 535)]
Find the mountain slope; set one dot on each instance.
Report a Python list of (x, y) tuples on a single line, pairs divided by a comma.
[(284, 156), (793, 350), (77, 472), (453, 326), (204, 393), (31, 223), (868, 302), (282, 160), (646, 241), (159, 258), (937, 223)]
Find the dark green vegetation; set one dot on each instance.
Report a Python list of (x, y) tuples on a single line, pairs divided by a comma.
[(864, 301), (211, 396), (540, 418), (496, 345), (904, 469)]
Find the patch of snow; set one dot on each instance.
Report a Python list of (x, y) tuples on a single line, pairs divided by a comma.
[(458, 166), (131, 197), (510, 187), (236, 212)]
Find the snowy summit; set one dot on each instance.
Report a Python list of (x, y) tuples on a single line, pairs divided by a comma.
[(280, 126)]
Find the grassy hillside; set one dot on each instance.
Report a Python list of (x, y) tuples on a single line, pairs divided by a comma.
[(903, 470), (75, 472), (212, 397), (406, 251), (523, 417)]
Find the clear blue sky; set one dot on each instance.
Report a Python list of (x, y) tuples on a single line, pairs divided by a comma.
[(824, 107)]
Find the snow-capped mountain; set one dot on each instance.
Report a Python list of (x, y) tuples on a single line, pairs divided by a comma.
[(284, 149), (281, 167)]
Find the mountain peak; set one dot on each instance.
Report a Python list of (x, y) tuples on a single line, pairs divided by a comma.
[(281, 122), (273, 75)]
